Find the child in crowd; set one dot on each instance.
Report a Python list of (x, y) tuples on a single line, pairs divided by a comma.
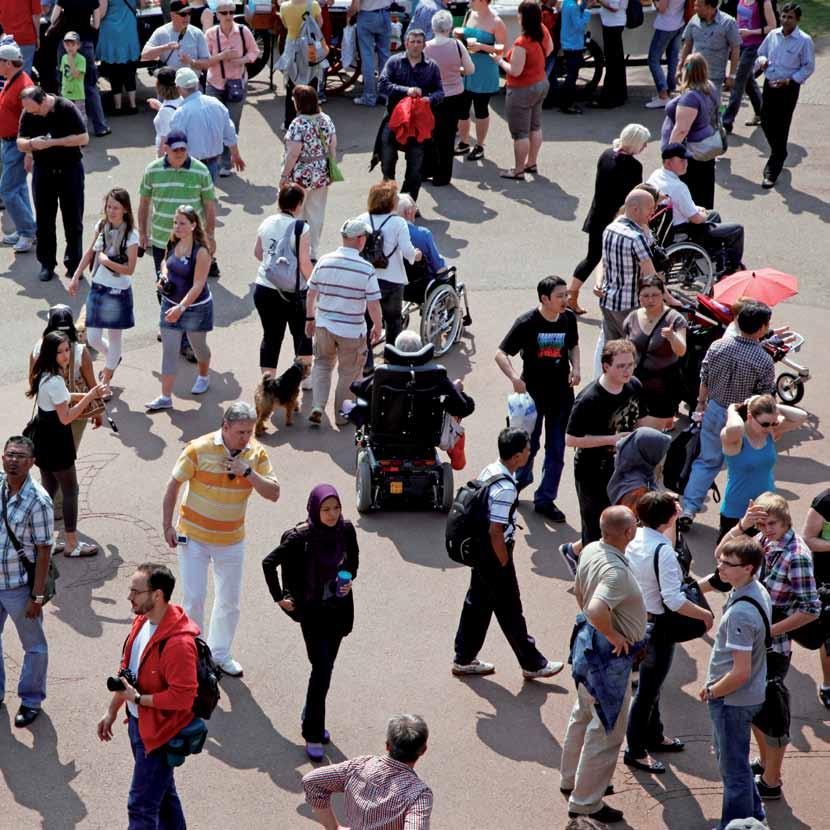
[(72, 71)]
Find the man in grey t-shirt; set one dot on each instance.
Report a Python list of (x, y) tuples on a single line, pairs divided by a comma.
[(716, 36), (736, 680)]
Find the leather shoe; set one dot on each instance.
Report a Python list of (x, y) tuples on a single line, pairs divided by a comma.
[(25, 715), (767, 183), (550, 511), (606, 815), (46, 274)]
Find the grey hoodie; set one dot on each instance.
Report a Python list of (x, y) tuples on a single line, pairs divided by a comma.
[(635, 460)]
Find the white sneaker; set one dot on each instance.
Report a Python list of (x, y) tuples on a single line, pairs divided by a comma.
[(23, 245), (11, 238), (656, 103), (306, 384), (552, 668), (474, 668), (161, 402), (363, 102), (225, 172), (201, 385), (231, 668)]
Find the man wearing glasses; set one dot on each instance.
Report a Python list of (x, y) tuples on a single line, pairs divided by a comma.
[(25, 530), (177, 43), (737, 676)]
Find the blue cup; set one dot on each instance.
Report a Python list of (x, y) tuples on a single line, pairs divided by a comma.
[(343, 578)]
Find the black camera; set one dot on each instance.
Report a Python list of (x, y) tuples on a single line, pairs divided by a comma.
[(119, 259), (165, 287), (116, 684), (141, 251)]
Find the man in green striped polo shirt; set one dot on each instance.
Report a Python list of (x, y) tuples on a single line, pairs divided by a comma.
[(172, 180)]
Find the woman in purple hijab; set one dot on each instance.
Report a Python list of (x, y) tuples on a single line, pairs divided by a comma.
[(311, 555)]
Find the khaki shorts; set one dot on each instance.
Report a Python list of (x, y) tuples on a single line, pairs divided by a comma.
[(523, 106)]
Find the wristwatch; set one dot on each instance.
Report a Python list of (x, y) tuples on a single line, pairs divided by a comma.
[(709, 695), (247, 472), (38, 598), (137, 699)]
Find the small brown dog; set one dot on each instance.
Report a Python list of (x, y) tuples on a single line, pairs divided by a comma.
[(281, 391)]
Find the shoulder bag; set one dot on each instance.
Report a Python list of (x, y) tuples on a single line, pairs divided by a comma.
[(30, 567), (709, 148), (234, 90), (335, 173), (677, 627), (78, 388)]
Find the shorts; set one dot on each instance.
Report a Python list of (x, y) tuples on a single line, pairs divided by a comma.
[(478, 102), (523, 106)]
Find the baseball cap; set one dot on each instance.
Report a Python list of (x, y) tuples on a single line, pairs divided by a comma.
[(176, 139), (72, 36), (10, 51), (186, 78), (676, 150), (179, 7), (354, 228)]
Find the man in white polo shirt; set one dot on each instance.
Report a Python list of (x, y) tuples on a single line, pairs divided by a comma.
[(699, 224), (341, 288)]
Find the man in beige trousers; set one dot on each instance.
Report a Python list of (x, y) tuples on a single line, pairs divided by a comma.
[(341, 289)]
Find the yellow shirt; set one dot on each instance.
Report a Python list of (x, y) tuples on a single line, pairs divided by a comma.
[(292, 16), (213, 507)]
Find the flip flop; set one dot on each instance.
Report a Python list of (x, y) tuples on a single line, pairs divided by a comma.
[(518, 177), (532, 169), (81, 549), (654, 767)]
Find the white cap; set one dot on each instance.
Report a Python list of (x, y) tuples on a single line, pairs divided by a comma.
[(186, 78)]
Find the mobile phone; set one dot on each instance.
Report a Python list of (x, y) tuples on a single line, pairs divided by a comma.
[(181, 540)]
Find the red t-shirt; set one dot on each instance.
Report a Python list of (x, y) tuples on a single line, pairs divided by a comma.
[(534, 69), (11, 106), (16, 17)]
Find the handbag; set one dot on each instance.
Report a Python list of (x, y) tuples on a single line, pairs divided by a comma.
[(80, 387), (234, 90), (52, 574), (677, 627), (714, 145), (335, 173)]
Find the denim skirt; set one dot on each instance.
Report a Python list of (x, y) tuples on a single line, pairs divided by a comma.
[(109, 308), (198, 317)]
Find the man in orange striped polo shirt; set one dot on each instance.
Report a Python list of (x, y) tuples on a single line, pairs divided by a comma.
[(221, 470)]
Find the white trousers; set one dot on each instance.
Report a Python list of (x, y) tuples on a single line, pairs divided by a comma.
[(314, 212), (194, 560)]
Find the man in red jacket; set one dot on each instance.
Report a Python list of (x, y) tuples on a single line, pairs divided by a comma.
[(167, 682)]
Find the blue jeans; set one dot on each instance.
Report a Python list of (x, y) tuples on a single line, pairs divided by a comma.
[(373, 33), (153, 803), (555, 423), (15, 190), (28, 53), (744, 82), (94, 108), (668, 44), (731, 728), (212, 165), (31, 688), (708, 464), (235, 112)]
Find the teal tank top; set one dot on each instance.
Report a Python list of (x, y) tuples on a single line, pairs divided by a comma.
[(748, 474), (486, 76)]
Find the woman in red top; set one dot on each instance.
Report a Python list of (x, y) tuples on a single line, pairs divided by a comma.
[(527, 86)]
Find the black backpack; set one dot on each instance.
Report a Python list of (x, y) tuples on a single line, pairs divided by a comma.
[(207, 677), (373, 249), (634, 15), (683, 450), (467, 522)]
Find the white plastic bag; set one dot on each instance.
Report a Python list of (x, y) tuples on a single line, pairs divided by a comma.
[(521, 412), (348, 47), (450, 432)]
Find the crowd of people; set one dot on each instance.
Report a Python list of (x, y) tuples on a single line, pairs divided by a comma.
[(631, 565)]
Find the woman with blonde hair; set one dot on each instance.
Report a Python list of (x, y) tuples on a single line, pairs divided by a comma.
[(688, 119), (618, 173)]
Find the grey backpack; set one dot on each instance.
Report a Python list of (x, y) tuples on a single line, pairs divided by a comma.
[(281, 261)]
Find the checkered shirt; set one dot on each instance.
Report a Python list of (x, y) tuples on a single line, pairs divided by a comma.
[(31, 519), (624, 245), (735, 368), (787, 574), (380, 793)]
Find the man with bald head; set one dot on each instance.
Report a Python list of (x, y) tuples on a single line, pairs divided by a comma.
[(626, 256), (608, 595)]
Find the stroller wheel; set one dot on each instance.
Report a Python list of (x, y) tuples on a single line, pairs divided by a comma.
[(790, 388)]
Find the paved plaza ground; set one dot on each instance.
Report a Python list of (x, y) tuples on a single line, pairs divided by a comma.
[(495, 745)]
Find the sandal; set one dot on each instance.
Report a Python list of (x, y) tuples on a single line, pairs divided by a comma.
[(476, 153), (81, 549), (654, 767), (533, 169), (517, 177)]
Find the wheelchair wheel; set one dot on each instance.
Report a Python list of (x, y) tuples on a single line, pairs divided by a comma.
[(790, 388), (447, 487), (441, 319), (363, 483), (690, 271)]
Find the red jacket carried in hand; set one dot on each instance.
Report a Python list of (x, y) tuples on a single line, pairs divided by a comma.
[(412, 118), (169, 676)]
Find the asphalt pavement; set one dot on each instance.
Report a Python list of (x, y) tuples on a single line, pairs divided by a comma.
[(496, 742)]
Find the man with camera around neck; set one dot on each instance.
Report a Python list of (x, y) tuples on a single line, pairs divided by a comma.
[(159, 684)]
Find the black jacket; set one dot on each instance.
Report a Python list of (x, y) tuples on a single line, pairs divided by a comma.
[(292, 557), (458, 404), (617, 175)]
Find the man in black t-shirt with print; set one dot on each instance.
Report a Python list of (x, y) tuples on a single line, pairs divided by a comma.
[(604, 413), (548, 342), (52, 133)]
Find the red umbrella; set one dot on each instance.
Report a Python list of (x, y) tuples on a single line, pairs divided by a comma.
[(766, 285)]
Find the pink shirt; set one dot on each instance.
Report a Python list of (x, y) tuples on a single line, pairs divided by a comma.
[(232, 41), (450, 55)]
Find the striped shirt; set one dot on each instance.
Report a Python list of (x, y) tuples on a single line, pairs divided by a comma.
[(168, 187), (624, 246), (380, 793), (30, 516), (735, 368), (213, 507), (501, 498), (345, 282)]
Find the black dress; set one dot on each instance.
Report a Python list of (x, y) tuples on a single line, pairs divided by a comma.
[(54, 445)]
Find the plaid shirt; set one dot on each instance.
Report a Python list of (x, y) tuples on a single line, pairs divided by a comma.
[(381, 793), (787, 574), (736, 368), (30, 517), (624, 245)]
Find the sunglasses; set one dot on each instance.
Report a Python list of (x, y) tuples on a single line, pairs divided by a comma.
[(225, 14), (188, 209), (766, 424)]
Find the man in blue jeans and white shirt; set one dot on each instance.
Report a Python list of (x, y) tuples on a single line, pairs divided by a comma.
[(737, 677), (733, 369), (374, 34)]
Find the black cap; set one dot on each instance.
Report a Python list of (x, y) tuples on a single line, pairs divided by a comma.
[(179, 6), (676, 150)]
